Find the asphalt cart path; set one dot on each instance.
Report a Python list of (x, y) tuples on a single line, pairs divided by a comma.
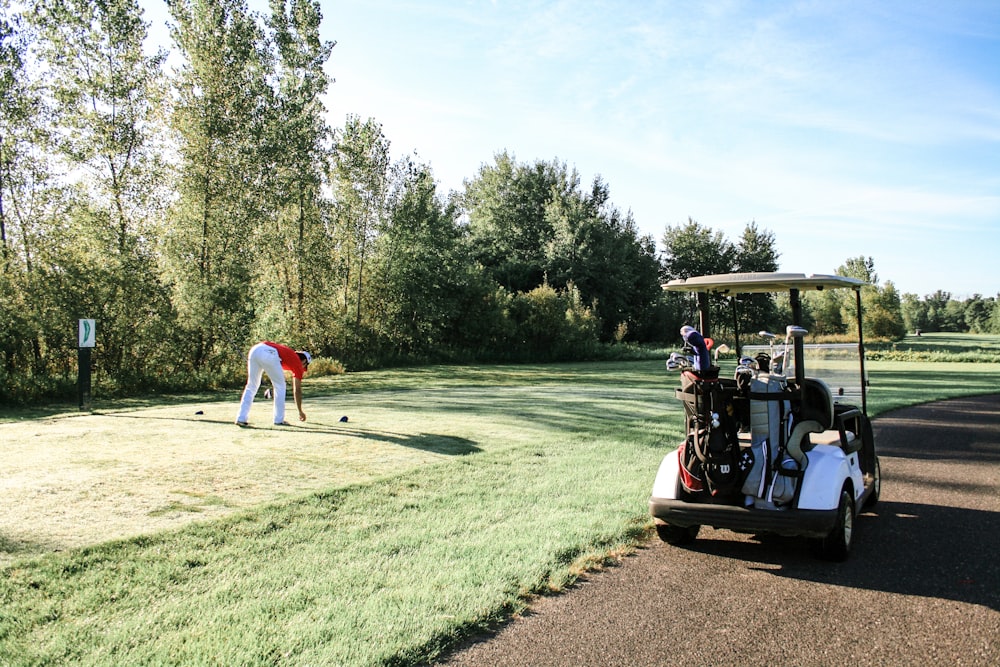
[(922, 585)]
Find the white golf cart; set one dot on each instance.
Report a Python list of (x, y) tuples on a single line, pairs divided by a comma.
[(785, 445)]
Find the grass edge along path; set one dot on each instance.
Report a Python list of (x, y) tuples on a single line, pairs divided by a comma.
[(390, 572)]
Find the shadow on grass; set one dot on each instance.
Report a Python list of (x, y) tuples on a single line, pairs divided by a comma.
[(429, 442), (13, 547)]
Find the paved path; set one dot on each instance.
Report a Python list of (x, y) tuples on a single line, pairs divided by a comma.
[(922, 585)]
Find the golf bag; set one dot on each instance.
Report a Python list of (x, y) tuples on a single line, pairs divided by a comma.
[(772, 477), (710, 456)]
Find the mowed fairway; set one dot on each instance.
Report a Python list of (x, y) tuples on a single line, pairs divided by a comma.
[(449, 496), (156, 535), (76, 480)]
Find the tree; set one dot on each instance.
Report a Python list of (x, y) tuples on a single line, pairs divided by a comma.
[(756, 251), (978, 312), (107, 94), (424, 276), (693, 250), (554, 325), (993, 325), (220, 113), (506, 208), (597, 249), (291, 294), (696, 250), (883, 317), (882, 314), (24, 176), (20, 103), (534, 224), (361, 192), (914, 313)]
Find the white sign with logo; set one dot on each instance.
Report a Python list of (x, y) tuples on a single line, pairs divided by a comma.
[(88, 333)]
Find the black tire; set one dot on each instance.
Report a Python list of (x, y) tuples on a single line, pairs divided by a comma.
[(837, 545), (873, 496), (677, 535)]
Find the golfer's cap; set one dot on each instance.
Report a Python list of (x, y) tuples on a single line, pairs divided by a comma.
[(308, 356)]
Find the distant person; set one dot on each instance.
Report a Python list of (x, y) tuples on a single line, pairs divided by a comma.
[(274, 359)]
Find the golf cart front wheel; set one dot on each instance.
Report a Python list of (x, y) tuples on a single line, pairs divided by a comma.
[(677, 535), (836, 546)]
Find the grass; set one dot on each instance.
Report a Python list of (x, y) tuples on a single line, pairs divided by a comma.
[(939, 347), (450, 496)]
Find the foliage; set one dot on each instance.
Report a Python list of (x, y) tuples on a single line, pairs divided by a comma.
[(554, 325), (323, 367), (195, 211), (941, 312), (220, 94), (532, 224), (693, 249)]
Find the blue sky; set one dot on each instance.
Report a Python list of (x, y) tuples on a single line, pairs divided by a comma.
[(845, 128)]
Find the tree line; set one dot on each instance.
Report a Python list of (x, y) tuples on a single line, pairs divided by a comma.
[(193, 211)]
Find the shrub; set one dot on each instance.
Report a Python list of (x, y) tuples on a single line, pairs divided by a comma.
[(323, 366)]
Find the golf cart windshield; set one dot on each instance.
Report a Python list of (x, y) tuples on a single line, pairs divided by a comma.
[(732, 284)]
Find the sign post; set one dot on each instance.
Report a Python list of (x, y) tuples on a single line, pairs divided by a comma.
[(87, 340)]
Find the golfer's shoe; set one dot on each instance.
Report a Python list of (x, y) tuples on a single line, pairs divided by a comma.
[(242, 424), (282, 424)]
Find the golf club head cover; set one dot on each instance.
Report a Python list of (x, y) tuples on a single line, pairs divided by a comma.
[(694, 338)]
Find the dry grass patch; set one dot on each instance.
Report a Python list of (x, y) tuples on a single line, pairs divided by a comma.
[(78, 480)]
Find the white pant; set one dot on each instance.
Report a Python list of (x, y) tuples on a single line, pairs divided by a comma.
[(263, 359)]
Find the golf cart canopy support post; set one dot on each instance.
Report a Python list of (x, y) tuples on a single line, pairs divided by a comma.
[(731, 284)]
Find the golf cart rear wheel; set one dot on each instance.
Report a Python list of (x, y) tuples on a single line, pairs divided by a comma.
[(836, 546), (677, 535)]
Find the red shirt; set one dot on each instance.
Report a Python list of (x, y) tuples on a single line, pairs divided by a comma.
[(289, 359)]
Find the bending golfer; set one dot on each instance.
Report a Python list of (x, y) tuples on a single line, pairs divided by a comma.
[(274, 359)]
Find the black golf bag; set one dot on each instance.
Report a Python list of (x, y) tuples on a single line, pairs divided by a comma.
[(710, 456)]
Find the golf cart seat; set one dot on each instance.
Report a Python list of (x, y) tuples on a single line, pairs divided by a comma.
[(817, 403), (816, 415)]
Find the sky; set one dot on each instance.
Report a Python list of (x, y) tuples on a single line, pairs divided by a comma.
[(844, 128)]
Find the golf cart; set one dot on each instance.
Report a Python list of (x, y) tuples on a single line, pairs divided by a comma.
[(784, 446)]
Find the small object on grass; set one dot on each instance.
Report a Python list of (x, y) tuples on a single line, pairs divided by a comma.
[(344, 418), (200, 412)]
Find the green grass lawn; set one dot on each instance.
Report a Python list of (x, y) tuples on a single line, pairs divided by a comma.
[(449, 497), (940, 347)]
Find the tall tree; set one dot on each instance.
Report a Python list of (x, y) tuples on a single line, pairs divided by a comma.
[(107, 95), (291, 285), (756, 251), (597, 248), (425, 278), (31, 322), (220, 114), (882, 312), (19, 106), (695, 250), (506, 207), (361, 183)]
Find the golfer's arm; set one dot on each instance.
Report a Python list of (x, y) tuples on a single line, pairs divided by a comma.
[(297, 392)]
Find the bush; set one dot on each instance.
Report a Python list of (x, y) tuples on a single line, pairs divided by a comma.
[(324, 366)]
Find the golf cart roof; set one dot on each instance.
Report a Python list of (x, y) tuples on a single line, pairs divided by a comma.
[(743, 283)]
